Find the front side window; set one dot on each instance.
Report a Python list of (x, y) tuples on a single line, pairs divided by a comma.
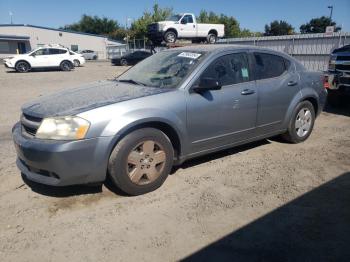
[(268, 65), (187, 19), (43, 51), (165, 69), (229, 69)]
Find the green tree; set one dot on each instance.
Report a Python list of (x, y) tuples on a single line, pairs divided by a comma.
[(139, 26), (278, 28), (318, 25), (93, 25), (231, 24)]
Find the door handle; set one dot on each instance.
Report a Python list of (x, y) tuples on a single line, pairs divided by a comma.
[(292, 83), (247, 92)]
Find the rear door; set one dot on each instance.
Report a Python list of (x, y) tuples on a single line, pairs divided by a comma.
[(57, 56), (277, 84)]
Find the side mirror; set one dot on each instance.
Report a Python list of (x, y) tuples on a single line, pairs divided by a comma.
[(33, 55), (207, 83), (183, 21)]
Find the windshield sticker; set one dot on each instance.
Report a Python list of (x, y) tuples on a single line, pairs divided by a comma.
[(245, 72), (189, 55)]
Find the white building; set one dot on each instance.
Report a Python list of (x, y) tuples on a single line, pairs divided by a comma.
[(21, 38)]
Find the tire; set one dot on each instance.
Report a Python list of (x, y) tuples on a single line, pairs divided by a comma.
[(301, 123), (22, 67), (66, 66), (211, 38), (170, 37), (123, 62), (94, 57), (131, 166), (76, 63)]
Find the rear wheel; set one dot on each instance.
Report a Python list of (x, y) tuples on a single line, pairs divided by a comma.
[(66, 66), (141, 161), (22, 67), (123, 62), (94, 57), (211, 38), (301, 123)]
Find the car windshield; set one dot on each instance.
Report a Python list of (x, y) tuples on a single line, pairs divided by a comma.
[(174, 18), (166, 69)]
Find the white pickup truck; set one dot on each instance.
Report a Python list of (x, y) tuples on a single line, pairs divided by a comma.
[(184, 26)]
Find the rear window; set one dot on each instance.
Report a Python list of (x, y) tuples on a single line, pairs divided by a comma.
[(269, 66)]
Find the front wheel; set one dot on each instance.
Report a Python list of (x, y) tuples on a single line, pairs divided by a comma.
[(22, 67), (141, 161), (301, 123), (170, 37), (123, 62)]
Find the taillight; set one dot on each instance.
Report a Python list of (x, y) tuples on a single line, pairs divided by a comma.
[(325, 82)]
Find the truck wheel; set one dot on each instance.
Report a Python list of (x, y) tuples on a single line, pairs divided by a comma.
[(141, 161), (66, 66), (22, 67), (123, 62), (301, 123), (170, 37), (211, 38)]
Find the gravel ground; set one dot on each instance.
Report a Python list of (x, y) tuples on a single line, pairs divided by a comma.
[(264, 201)]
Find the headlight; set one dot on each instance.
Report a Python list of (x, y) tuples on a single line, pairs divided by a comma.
[(63, 128)]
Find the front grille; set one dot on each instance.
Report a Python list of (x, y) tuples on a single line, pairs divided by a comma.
[(30, 124), (344, 80), (343, 58), (342, 67)]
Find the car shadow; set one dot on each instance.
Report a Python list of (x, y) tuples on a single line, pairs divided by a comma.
[(313, 227)]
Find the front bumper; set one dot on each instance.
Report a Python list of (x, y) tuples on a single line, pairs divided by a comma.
[(338, 79), (8, 64), (61, 163)]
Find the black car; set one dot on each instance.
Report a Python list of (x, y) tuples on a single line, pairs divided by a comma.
[(130, 58), (338, 76)]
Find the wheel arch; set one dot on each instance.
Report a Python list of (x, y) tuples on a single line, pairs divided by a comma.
[(169, 130), (22, 60), (66, 60), (213, 31), (171, 29)]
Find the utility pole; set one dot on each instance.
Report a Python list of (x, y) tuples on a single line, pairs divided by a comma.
[(330, 16), (11, 14)]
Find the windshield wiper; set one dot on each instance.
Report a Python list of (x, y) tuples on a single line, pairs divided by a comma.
[(131, 82)]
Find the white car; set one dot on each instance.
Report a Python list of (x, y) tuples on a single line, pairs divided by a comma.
[(184, 26), (78, 59), (42, 57), (89, 54)]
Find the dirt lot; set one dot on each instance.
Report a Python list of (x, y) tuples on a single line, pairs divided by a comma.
[(265, 201)]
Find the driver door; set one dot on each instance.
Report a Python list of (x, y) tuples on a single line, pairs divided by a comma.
[(187, 27), (40, 58)]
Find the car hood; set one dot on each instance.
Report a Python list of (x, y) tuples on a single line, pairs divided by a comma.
[(78, 100)]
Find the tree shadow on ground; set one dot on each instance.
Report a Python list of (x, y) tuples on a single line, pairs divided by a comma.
[(313, 227)]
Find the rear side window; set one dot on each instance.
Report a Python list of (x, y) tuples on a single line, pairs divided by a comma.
[(269, 66), (54, 51)]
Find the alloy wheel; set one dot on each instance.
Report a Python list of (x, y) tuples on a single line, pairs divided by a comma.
[(303, 122), (146, 162)]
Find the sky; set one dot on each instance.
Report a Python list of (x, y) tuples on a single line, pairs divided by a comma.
[(251, 14)]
